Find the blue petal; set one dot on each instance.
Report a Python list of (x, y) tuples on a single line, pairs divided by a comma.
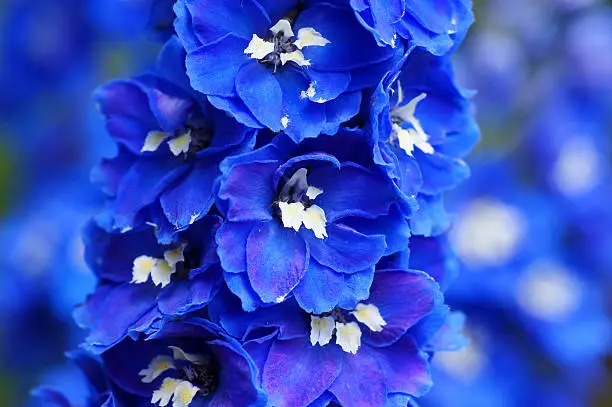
[(192, 197), (351, 46), (343, 191), (212, 19), (340, 110), (345, 250), (127, 114), (320, 289), (306, 118), (236, 107), (277, 259), (403, 298), (328, 85), (112, 310), (212, 68), (237, 375), (249, 190), (231, 245), (361, 382), (316, 366), (260, 91), (239, 284), (184, 295), (405, 368), (356, 288), (141, 186), (287, 317), (440, 172), (393, 226)]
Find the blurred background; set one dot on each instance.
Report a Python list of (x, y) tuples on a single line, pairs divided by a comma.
[(533, 229)]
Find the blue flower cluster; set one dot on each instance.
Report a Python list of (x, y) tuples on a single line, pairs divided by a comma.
[(274, 233)]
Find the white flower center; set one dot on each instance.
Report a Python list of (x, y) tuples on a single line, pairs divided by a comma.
[(181, 392), (488, 232), (177, 145), (295, 214), (548, 291), (281, 48), (160, 270), (348, 334), (415, 136)]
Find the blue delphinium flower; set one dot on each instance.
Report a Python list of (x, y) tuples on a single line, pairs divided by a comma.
[(289, 65), (436, 26), (191, 363), (145, 282), (422, 126), (170, 146), (297, 221), (188, 363), (366, 355)]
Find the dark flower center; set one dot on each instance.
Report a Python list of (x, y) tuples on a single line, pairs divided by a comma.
[(282, 45), (204, 377)]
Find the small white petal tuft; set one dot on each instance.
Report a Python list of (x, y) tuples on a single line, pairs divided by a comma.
[(259, 48), (348, 336), (154, 140), (180, 354), (309, 37), (313, 192), (321, 330), (416, 136), (158, 365), (161, 273), (165, 392), (180, 144), (314, 219), (141, 270), (285, 121), (283, 26), (184, 394), (369, 315), (175, 256), (292, 214), (308, 93), (295, 56)]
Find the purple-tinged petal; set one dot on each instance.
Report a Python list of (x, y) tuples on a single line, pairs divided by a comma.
[(111, 255), (320, 289), (170, 105), (249, 190), (259, 349), (343, 191), (260, 91), (236, 376), (403, 298), (212, 68), (312, 371), (345, 250), (288, 318), (192, 197), (185, 295), (277, 259), (108, 174), (231, 245), (128, 117), (361, 382), (141, 186), (111, 311), (405, 368)]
